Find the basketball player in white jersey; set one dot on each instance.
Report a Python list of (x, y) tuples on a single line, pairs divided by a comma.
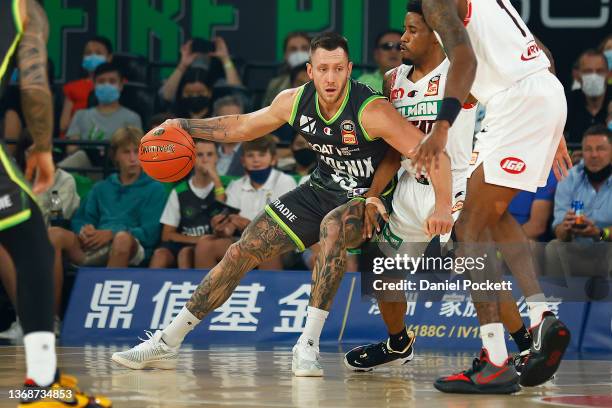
[(417, 91), (494, 56)]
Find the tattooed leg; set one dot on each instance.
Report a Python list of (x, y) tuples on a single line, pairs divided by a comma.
[(262, 239), (340, 229)]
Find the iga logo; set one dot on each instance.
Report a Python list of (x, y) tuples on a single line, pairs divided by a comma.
[(513, 165), (532, 51)]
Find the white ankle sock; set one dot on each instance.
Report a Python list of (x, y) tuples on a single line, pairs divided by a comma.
[(314, 325), (41, 361), (493, 340), (180, 326), (537, 305)]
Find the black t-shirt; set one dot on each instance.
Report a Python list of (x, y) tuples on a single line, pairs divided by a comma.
[(579, 119), (347, 156)]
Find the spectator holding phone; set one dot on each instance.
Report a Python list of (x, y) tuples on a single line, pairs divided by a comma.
[(249, 194), (188, 212), (213, 57)]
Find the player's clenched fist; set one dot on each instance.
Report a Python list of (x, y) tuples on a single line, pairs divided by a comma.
[(439, 222)]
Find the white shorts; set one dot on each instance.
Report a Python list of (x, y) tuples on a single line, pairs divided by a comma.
[(521, 132), (413, 202)]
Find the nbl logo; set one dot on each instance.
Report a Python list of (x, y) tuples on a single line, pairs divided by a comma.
[(513, 165)]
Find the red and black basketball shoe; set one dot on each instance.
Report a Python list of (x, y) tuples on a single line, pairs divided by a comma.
[(549, 341), (483, 377)]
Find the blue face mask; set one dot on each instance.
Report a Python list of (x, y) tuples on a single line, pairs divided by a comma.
[(107, 93), (610, 125), (608, 54), (260, 176), (93, 61)]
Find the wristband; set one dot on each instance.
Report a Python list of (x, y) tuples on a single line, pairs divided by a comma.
[(228, 65), (450, 109), (605, 234), (219, 190)]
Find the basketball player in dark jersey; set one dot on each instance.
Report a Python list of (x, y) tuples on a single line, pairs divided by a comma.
[(348, 125), (23, 39)]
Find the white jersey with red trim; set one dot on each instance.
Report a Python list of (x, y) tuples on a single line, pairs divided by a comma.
[(420, 102), (505, 48)]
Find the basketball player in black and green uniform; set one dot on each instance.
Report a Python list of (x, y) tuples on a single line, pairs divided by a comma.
[(349, 126), (23, 45)]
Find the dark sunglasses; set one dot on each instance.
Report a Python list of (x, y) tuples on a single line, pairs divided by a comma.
[(388, 46)]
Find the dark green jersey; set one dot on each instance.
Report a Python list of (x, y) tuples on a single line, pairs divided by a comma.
[(347, 155), (11, 31)]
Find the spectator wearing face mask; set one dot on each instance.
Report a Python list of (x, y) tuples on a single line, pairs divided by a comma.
[(100, 122), (194, 95), (386, 55), (304, 159), (98, 50), (297, 52), (606, 49), (587, 106)]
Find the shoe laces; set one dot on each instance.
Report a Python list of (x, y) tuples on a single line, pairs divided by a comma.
[(521, 358), (148, 341)]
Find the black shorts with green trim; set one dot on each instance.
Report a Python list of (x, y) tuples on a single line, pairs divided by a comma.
[(14, 202), (300, 212)]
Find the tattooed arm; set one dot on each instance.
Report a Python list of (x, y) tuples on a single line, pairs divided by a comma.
[(443, 17), (240, 128), (36, 101)]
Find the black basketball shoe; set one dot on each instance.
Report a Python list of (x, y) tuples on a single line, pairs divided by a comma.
[(371, 356), (549, 341), (483, 377)]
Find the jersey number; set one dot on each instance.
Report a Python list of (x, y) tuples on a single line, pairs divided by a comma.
[(516, 23)]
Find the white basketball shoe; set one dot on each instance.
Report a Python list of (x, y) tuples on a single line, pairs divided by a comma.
[(153, 352), (305, 361)]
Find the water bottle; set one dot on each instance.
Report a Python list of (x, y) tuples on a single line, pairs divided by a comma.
[(578, 207), (56, 213)]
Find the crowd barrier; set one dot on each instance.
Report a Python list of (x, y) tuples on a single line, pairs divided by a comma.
[(117, 305)]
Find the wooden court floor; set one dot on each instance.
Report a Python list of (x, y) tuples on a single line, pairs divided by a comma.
[(249, 377)]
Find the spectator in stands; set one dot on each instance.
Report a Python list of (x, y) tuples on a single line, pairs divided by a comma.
[(98, 50), (574, 252), (588, 106), (118, 223), (534, 210), (296, 47), (229, 163), (299, 75), (186, 217), (590, 183), (386, 55), (100, 122), (606, 49), (250, 194), (609, 119), (194, 95), (218, 64), (304, 159)]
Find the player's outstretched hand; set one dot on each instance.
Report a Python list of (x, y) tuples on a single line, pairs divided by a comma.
[(427, 153), (439, 222), (563, 161), (374, 207), (40, 168)]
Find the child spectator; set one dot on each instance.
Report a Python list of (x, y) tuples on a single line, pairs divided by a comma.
[(118, 223), (100, 122), (250, 194), (98, 50), (187, 214)]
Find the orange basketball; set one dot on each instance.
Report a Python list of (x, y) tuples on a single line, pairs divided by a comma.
[(167, 153)]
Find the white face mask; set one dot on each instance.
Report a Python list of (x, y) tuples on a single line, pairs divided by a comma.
[(298, 58), (593, 85)]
